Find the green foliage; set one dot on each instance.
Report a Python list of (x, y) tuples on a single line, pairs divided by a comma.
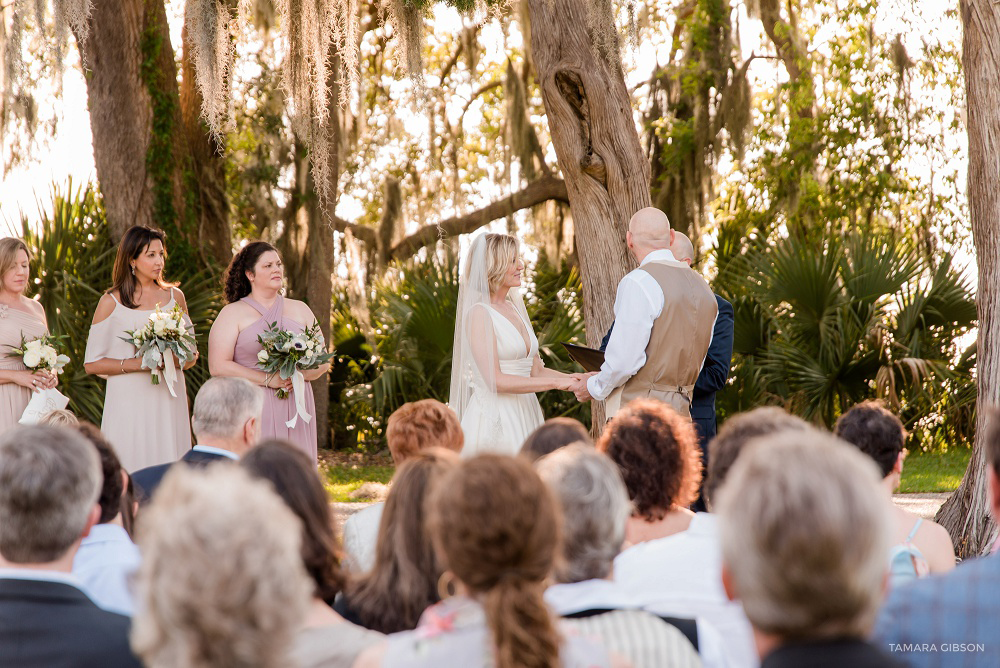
[(71, 264), (341, 480), (412, 311), (927, 472)]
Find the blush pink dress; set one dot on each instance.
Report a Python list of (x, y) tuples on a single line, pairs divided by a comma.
[(146, 425), (277, 411), (13, 398)]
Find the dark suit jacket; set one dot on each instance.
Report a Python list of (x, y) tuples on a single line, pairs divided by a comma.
[(148, 479), (55, 625), (716, 369), (839, 653)]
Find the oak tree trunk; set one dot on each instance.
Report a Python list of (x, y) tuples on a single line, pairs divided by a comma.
[(966, 514), (590, 120)]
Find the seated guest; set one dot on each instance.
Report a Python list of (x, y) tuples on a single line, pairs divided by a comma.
[(496, 527), (403, 583), (682, 574), (554, 433), (327, 640), (107, 557), (804, 531), (595, 508), (960, 609), (412, 428), (60, 418), (50, 480), (226, 423), (919, 547), (657, 452), (222, 581)]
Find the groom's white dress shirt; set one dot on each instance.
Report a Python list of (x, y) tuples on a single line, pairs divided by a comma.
[(638, 303)]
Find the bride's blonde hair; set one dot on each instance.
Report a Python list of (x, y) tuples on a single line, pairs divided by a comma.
[(501, 252)]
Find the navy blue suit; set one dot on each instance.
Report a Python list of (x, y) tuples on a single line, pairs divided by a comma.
[(711, 379), (148, 479)]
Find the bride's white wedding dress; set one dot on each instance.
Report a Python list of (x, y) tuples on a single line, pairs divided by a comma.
[(497, 422)]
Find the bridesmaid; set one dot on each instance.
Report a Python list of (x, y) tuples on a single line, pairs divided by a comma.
[(143, 421), (18, 316), (253, 285)]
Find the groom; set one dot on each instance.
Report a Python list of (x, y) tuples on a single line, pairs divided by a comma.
[(664, 315)]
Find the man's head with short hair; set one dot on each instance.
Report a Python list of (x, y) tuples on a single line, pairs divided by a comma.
[(804, 530), (736, 433), (419, 425), (227, 413), (553, 434), (682, 248), (596, 508), (50, 478), (875, 431), (648, 230), (111, 469)]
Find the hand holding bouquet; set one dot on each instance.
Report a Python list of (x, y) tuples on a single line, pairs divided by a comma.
[(41, 354), (287, 354), (164, 338)]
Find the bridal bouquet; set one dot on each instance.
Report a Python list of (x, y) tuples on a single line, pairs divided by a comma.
[(41, 354), (286, 354), (163, 338)]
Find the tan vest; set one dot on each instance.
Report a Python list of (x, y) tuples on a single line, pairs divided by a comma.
[(678, 342)]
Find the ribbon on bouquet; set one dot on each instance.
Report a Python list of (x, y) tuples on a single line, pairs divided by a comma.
[(169, 372), (299, 390)]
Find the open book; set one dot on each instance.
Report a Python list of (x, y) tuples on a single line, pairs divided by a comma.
[(590, 359)]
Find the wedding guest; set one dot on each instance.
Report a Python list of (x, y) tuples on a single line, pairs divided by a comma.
[(682, 574), (411, 429), (657, 452), (804, 532), (403, 581), (20, 318), (253, 284), (226, 423), (50, 479), (919, 547), (146, 424), (595, 508), (554, 433), (222, 581), (107, 558), (496, 527), (958, 612), (60, 418), (327, 641)]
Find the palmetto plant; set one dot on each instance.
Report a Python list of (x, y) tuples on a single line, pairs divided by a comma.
[(823, 325)]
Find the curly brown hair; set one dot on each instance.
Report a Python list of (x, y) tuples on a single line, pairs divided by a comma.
[(657, 452), (235, 284)]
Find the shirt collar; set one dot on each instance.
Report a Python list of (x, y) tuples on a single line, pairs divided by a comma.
[(662, 255), (211, 450), (567, 599), (39, 576), (107, 533)]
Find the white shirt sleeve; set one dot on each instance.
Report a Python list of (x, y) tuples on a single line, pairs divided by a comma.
[(638, 302)]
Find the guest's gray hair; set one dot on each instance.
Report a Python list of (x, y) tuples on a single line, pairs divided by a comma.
[(804, 528), (595, 510), (49, 481), (223, 405), (222, 581)]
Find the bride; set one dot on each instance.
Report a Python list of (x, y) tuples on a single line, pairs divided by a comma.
[(496, 369)]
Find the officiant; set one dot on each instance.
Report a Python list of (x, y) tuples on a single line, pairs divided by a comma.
[(664, 315)]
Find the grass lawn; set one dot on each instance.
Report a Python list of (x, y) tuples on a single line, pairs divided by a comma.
[(934, 472), (344, 472)]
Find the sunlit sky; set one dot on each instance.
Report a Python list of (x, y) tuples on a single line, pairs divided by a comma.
[(69, 153)]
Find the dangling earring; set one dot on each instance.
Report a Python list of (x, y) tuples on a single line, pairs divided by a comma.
[(446, 585), (133, 270)]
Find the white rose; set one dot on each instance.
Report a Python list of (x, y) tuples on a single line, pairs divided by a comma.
[(50, 358), (262, 357), (32, 358), (34, 346), (159, 326)]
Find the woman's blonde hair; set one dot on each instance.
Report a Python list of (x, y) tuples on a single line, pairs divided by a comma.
[(501, 252), (8, 255), (61, 417), (497, 527)]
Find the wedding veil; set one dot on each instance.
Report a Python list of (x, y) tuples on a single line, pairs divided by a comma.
[(474, 358)]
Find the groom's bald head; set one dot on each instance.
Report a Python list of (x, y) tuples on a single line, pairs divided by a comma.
[(648, 230)]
